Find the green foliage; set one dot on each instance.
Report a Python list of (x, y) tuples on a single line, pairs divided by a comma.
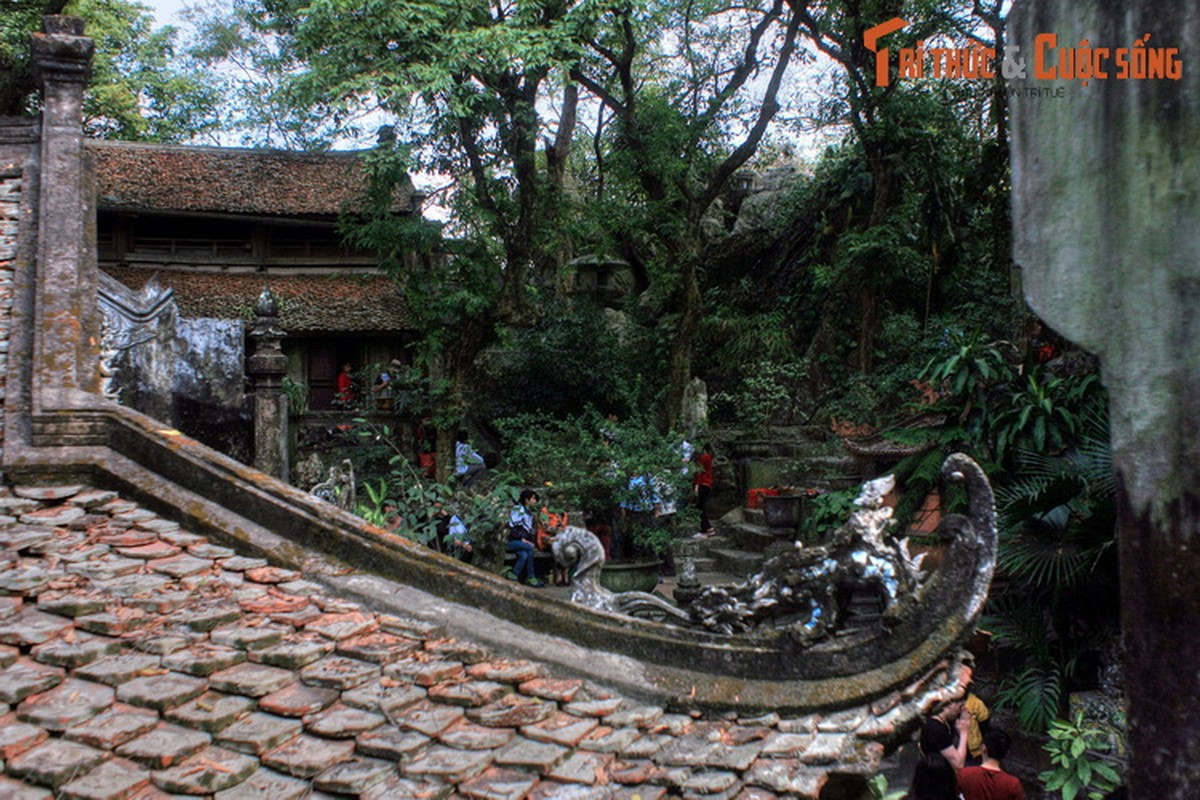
[(20, 19), (764, 396), (142, 87), (297, 395), (826, 511), (878, 785), (1073, 747), (405, 502), (1057, 521), (587, 461), (1043, 414), (575, 357)]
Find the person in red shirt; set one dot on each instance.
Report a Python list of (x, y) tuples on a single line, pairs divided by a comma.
[(702, 485), (345, 386), (989, 781)]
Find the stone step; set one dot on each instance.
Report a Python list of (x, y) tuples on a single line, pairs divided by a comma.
[(737, 562), (755, 516), (701, 547), (754, 538), (704, 564)]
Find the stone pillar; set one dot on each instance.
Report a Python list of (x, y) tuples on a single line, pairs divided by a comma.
[(66, 347), (266, 368), (1106, 211)]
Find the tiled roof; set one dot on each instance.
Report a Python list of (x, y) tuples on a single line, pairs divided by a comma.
[(228, 180), (206, 671), (308, 303)]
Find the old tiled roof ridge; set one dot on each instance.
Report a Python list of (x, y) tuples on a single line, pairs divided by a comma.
[(137, 176), (308, 303)]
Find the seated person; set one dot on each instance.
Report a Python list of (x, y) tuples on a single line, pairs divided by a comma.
[(522, 533), (452, 536), (468, 464)]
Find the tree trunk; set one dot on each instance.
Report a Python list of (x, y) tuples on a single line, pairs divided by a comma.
[(1160, 617)]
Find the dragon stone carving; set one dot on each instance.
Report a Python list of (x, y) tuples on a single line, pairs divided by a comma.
[(802, 593)]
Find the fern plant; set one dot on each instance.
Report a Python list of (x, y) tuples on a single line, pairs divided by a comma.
[(1057, 520)]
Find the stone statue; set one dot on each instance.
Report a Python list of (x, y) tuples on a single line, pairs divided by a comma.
[(803, 593), (338, 487)]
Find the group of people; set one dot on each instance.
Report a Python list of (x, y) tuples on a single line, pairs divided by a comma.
[(961, 757)]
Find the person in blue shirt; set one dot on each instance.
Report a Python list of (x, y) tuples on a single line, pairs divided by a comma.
[(522, 533), (468, 464), (453, 539)]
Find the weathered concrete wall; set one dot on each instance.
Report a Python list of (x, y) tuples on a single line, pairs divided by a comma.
[(1106, 185), (185, 372), (18, 140)]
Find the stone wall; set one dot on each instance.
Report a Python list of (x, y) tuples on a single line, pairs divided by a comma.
[(16, 138), (10, 213)]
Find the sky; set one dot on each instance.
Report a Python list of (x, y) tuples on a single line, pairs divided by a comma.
[(165, 10)]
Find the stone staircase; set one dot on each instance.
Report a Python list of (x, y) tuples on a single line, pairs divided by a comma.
[(738, 549)]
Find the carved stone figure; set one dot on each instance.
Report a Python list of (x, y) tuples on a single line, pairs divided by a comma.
[(804, 594), (338, 487)]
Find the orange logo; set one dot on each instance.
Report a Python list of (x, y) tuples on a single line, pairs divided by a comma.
[(1050, 62)]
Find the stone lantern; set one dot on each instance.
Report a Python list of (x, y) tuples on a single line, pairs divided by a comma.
[(266, 368)]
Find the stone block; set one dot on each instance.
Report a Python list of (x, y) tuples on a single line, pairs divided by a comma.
[(256, 733), (161, 691), (267, 784), (468, 694), (447, 764), (292, 654), (526, 753), (339, 672), (248, 637), (342, 722), (254, 680), (297, 700), (116, 621), (56, 762), (468, 736), (512, 711), (115, 778), (211, 770), (80, 649), (427, 718), (114, 727), (391, 742), (608, 740), (17, 737), (584, 768), (355, 776), (71, 702), (562, 729), (306, 756), (562, 691), (343, 626), (787, 776), (202, 659), (386, 695), (29, 627), (497, 783), (212, 711), (121, 668), (378, 648), (505, 671), (26, 677), (164, 746)]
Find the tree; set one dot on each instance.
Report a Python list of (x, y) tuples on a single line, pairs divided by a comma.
[(678, 100), (491, 94), (140, 87), (19, 20)]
